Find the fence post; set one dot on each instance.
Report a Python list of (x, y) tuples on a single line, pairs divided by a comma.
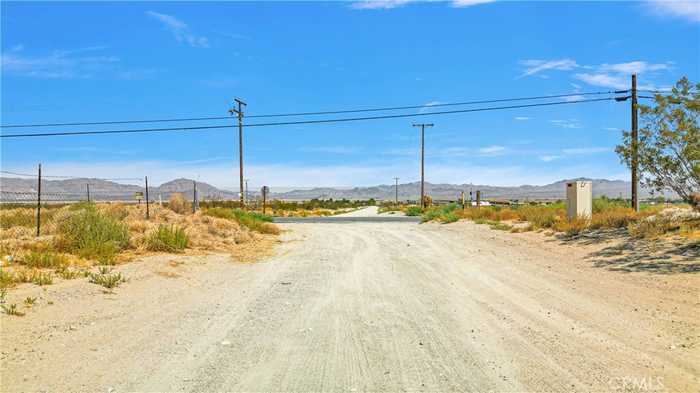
[(148, 213), (87, 187), (478, 198), (194, 196), (462, 200), (38, 205)]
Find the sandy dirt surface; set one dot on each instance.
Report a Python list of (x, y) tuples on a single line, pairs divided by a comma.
[(365, 307)]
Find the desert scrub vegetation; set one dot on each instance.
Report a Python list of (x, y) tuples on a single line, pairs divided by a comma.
[(167, 238), (77, 237), (256, 222), (92, 234), (107, 279), (651, 222), (179, 204)]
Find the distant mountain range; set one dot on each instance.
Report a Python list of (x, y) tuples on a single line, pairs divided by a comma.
[(76, 189), (411, 191)]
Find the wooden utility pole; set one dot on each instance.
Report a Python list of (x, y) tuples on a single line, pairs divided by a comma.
[(396, 191), (194, 196), (239, 112), (635, 145), (422, 161), (478, 198), (462, 196), (38, 205), (87, 188)]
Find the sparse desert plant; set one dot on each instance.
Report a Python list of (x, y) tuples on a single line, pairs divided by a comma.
[(92, 235), (11, 309), (29, 301), (414, 211), (44, 260), (254, 221), (104, 269), (167, 238), (178, 203), (571, 227), (68, 274), (41, 278), (108, 281)]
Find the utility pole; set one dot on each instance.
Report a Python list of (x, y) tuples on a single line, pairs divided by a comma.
[(635, 145), (247, 197), (87, 187), (396, 188), (239, 112), (422, 161)]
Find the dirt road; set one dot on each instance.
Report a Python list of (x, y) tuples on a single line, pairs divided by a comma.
[(365, 307)]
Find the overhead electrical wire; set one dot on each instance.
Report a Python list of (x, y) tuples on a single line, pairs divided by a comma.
[(72, 177), (333, 112), (404, 115)]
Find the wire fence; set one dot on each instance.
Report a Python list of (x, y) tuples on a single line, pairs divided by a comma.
[(30, 201)]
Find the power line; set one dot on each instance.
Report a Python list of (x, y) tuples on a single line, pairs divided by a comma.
[(73, 177), (316, 113), (405, 115)]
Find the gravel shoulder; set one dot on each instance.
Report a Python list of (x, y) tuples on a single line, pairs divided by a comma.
[(365, 307)]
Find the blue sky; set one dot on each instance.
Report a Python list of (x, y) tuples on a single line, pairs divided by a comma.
[(65, 62)]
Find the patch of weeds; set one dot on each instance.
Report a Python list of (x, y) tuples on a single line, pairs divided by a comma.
[(169, 239), (7, 279), (499, 226), (11, 310), (41, 278), (254, 221), (44, 260), (108, 281), (29, 301), (414, 211), (68, 274), (104, 269), (92, 235)]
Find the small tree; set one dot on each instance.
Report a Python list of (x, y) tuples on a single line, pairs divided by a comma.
[(669, 143)]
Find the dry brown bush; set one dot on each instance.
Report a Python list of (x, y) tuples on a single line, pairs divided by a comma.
[(178, 203)]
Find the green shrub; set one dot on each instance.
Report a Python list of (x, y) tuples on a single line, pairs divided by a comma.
[(254, 221), (169, 239), (414, 211), (44, 260), (92, 235), (109, 281)]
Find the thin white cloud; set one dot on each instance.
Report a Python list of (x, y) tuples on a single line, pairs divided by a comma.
[(180, 30), (586, 150), (535, 66), (634, 67), (17, 48), (522, 118), (389, 4), (378, 4), (60, 64), (610, 75), (549, 158), (491, 151), (574, 98), (427, 106), (566, 123), (689, 10), (469, 3)]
